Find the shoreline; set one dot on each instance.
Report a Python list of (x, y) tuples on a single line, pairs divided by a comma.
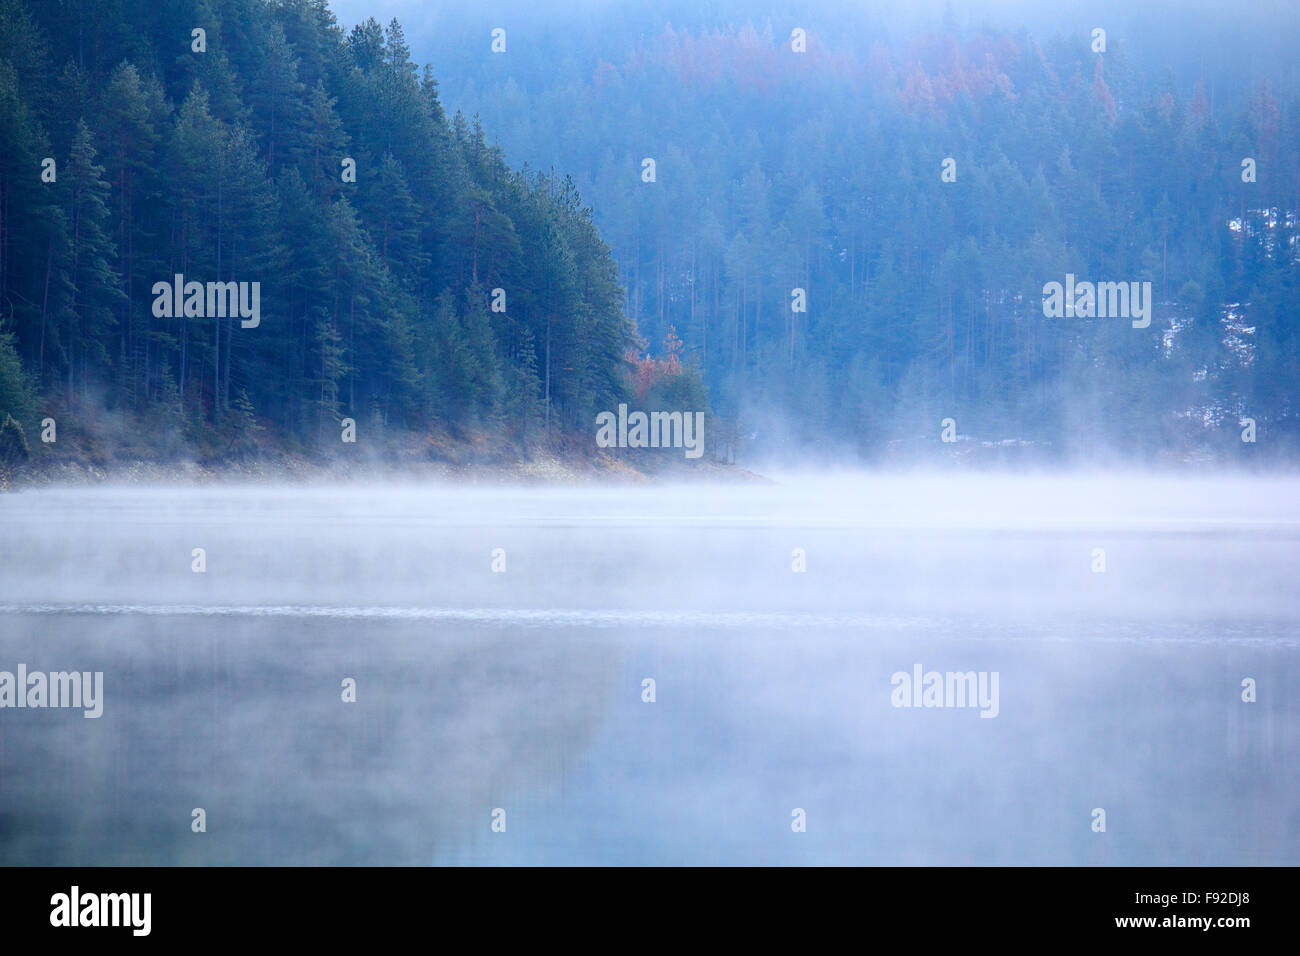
[(301, 470)]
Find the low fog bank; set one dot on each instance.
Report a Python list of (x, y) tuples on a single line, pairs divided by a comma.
[(869, 543)]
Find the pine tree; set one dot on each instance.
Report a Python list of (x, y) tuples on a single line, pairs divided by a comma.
[(128, 124), (91, 252)]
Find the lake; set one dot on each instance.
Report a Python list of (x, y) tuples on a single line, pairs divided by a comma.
[(499, 640)]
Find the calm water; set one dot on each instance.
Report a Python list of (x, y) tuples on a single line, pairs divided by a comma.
[(522, 690)]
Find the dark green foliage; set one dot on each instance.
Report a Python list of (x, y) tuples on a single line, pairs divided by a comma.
[(226, 166), (16, 398), (13, 443)]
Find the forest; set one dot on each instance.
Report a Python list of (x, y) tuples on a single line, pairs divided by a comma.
[(411, 286), (923, 176), (832, 238)]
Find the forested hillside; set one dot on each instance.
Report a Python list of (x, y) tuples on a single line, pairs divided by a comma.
[(823, 169), (409, 279), (843, 228)]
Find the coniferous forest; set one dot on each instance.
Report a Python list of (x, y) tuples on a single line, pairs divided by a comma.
[(831, 238), (409, 280), (816, 160)]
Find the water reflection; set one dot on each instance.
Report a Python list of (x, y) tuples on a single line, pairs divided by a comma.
[(523, 690)]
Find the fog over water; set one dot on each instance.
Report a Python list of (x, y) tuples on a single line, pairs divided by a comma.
[(522, 689)]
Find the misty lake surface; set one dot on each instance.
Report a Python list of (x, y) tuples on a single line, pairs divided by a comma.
[(521, 690)]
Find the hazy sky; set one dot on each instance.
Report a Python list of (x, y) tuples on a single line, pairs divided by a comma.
[(1059, 11), (1202, 31)]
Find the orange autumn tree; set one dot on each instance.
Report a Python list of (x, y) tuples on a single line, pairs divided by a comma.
[(667, 384)]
